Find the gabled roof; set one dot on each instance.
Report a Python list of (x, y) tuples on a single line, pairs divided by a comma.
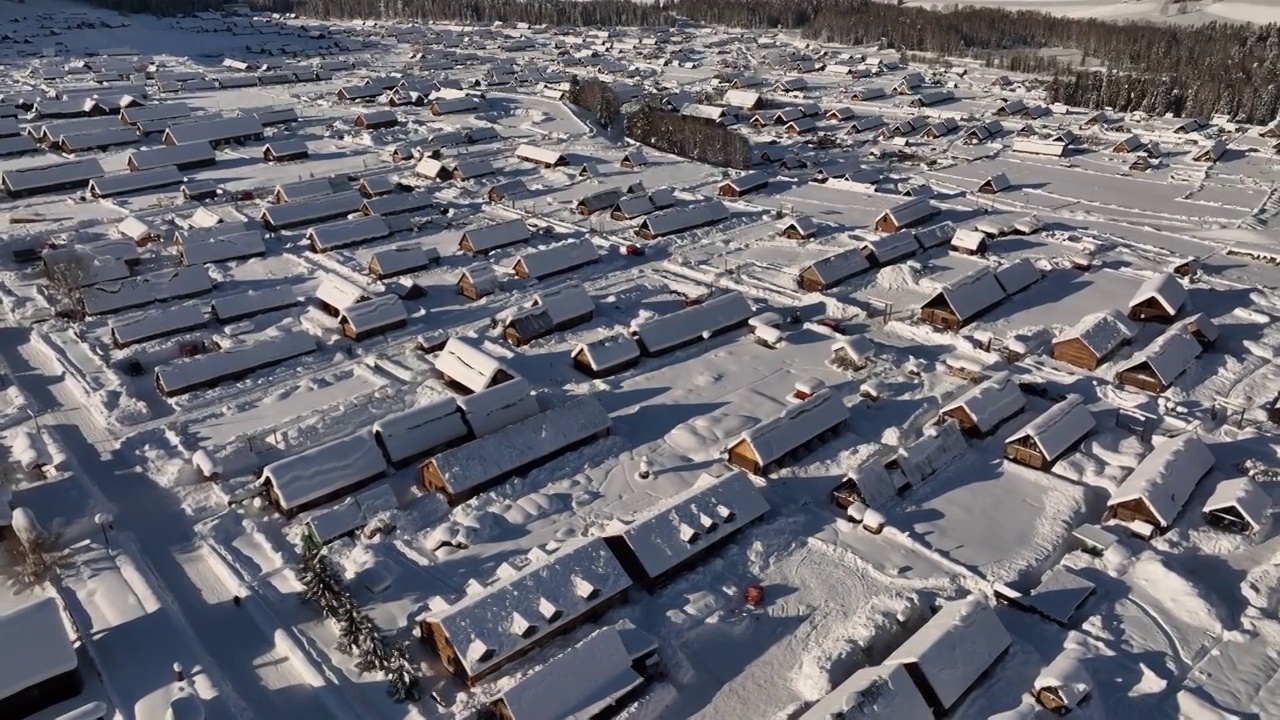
[(992, 401), (223, 247), (609, 352), (796, 425), (548, 593), (219, 130), (566, 302), (909, 211), (1059, 427), (320, 470), (419, 429), (344, 233), (466, 363), (395, 260), (377, 312), (70, 172), (955, 647), (584, 680), (1017, 275), (892, 247), (177, 155), (1243, 494), (494, 408), (1165, 478), (1164, 289), (1169, 355), (669, 222), (552, 259), (884, 691), (536, 154), (338, 293), (713, 508), (666, 331), (841, 266), (498, 235), (748, 182), (1101, 332), (971, 293)]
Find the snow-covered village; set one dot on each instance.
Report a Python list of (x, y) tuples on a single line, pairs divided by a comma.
[(394, 370)]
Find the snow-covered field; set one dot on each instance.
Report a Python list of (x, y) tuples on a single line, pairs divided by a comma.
[(375, 347)]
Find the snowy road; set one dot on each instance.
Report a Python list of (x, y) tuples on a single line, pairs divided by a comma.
[(254, 679)]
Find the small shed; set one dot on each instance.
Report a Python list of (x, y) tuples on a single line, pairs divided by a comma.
[(1094, 338), (792, 433), (986, 406), (477, 281), (468, 368), (1155, 492), (285, 151), (852, 353), (1064, 683), (335, 294), (1051, 435), (994, 184), (1159, 299), (545, 157), (377, 120), (1238, 505), (968, 241), (799, 227), (634, 159)]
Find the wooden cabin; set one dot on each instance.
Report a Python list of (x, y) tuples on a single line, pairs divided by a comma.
[(1155, 492), (1042, 441), (478, 281), (817, 418), (1094, 338), (1159, 299), (1238, 505)]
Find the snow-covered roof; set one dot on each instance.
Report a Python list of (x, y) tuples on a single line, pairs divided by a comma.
[(222, 248), (303, 212), (156, 323), (1202, 324), (498, 235), (488, 627), (968, 239), (465, 363), (1164, 289), (991, 401), (1244, 495), (1059, 594), (399, 203), (579, 683), (536, 154), (609, 352), (1165, 478), (411, 432), (519, 444), (310, 188), (287, 147), (377, 312), (1101, 332), (909, 211), (344, 233), (565, 303), (741, 98), (377, 117), (682, 326), (338, 293), (1059, 427), (893, 246), (176, 155), (884, 692), (492, 409), (398, 260), (557, 258), (129, 182), (1169, 355), (68, 172), (220, 130), (109, 297), (796, 425), (37, 643), (668, 222), (1066, 675), (955, 647), (184, 374), (1017, 275), (468, 169), (323, 469), (843, 265), (672, 531), (972, 292), (228, 308)]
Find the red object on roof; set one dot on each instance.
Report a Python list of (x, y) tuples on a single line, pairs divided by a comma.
[(755, 595)]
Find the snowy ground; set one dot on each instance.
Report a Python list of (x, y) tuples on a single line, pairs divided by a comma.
[(1176, 628)]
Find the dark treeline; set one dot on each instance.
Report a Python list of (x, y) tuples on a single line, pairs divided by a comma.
[(1187, 70), (596, 97)]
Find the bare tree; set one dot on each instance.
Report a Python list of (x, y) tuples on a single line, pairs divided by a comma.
[(37, 554), (67, 274)]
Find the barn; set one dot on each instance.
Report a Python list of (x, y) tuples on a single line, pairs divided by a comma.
[(962, 299), (986, 406), (1238, 505), (1159, 299), (1043, 440), (905, 215), (1153, 495), (791, 434), (1090, 341)]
